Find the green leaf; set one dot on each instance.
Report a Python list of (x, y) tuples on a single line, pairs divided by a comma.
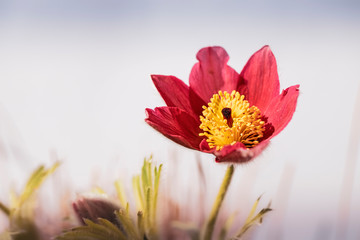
[(127, 224), (157, 174), (253, 220), (103, 230), (120, 192), (138, 193), (34, 182), (141, 224), (22, 207)]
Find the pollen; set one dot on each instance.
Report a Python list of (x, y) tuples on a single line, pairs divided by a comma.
[(229, 119)]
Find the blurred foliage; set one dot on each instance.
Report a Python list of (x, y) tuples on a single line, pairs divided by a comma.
[(21, 212), (143, 226), (252, 220), (104, 220)]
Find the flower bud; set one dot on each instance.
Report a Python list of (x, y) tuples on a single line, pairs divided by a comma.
[(94, 208)]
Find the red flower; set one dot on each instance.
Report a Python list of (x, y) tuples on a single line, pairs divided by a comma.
[(231, 115)]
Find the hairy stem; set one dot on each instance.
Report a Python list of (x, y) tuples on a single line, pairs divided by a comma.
[(217, 204)]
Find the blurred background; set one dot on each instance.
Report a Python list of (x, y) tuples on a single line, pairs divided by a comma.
[(75, 80)]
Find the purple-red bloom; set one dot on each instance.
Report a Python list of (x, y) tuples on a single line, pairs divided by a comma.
[(94, 208), (231, 115)]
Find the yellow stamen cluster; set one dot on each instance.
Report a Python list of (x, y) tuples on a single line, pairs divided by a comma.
[(244, 125)]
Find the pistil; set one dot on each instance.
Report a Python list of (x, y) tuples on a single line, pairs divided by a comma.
[(226, 112)]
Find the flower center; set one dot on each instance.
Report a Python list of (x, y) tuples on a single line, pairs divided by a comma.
[(229, 119)]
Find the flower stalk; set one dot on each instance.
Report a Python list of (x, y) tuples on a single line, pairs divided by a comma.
[(218, 202)]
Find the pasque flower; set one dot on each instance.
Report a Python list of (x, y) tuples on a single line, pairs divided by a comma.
[(222, 112), (94, 208)]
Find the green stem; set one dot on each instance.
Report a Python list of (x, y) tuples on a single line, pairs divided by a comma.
[(217, 204)]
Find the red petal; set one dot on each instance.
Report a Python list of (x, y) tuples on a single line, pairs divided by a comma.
[(174, 91), (238, 153), (176, 94), (204, 147), (282, 108), (260, 79), (212, 73), (176, 124)]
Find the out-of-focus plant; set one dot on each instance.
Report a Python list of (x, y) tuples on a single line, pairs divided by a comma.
[(252, 219), (207, 231), (21, 212), (104, 219), (103, 222)]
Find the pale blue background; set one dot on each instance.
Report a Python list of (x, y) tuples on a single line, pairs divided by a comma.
[(75, 80)]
